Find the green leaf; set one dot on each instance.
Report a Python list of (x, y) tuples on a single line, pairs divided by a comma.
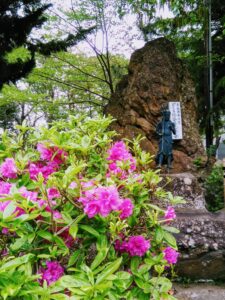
[(45, 235), (135, 262), (16, 262), (90, 230), (123, 281), (159, 234), (85, 141), (102, 247), (73, 230), (19, 243), (171, 229), (170, 240), (73, 258), (110, 269), (9, 210)]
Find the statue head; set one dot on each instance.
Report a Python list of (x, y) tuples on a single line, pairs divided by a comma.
[(166, 115)]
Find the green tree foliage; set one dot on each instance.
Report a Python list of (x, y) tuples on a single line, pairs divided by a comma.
[(62, 84)]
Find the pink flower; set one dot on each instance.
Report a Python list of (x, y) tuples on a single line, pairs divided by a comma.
[(119, 153), (170, 213), (56, 214), (46, 154), (92, 208), (170, 255), (53, 154), (5, 230), (100, 200), (52, 273), (4, 188), (73, 185), (67, 238), (126, 208), (53, 193), (137, 245), (45, 169), (31, 196), (120, 246), (4, 204), (8, 168)]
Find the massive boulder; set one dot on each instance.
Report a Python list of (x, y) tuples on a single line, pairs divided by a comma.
[(156, 76)]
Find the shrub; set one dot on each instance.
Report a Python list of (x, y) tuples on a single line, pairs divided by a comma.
[(77, 218), (214, 190)]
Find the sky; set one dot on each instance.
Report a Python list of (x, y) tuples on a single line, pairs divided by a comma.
[(124, 37)]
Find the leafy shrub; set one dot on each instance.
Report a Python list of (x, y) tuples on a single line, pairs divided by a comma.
[(214, 190), (77, 218)]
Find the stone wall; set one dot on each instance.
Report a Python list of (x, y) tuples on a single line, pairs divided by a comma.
[(201, 239)]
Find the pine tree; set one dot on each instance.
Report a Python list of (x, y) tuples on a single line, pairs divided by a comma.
[(17, 20)]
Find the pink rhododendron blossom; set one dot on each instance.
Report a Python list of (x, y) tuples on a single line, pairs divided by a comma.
[(170, 255), (103, 200), (137, 245), (119, 153), (170, 213), (45, 169), (4, 188), (53, 154), (3, 205), (56, 214), (100, 200), (8, 168), (5, 231), (67, 238), (32, 196), (53, 193), (52, 273), (120, 246), (126, 208), (73, 185)]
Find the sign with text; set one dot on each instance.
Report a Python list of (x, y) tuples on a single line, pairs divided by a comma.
[(175, 117)]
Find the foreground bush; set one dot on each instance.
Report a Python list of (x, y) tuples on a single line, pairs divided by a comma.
[(77, 219)]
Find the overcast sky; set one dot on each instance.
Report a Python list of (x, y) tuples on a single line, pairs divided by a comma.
[(124, 38)]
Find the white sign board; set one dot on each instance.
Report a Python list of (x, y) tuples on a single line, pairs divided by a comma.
[(175, 117)]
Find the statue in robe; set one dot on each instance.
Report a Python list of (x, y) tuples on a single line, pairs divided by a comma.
[(164, 129)]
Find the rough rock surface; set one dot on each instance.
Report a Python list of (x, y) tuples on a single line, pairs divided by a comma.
[(156, 76), (201, 239), (199, 292)]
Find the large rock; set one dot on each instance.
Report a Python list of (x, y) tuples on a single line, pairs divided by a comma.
[(201, 239), (156, 76)]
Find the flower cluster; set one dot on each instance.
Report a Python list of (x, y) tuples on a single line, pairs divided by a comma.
[(52, 273), (103, 200), (170, 214), (8, 168), (53, 154), (52, 158), (135, 246), (117, 155), (170, 255)]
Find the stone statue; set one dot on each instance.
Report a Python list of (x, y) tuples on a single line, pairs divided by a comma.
[(164, 129)]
